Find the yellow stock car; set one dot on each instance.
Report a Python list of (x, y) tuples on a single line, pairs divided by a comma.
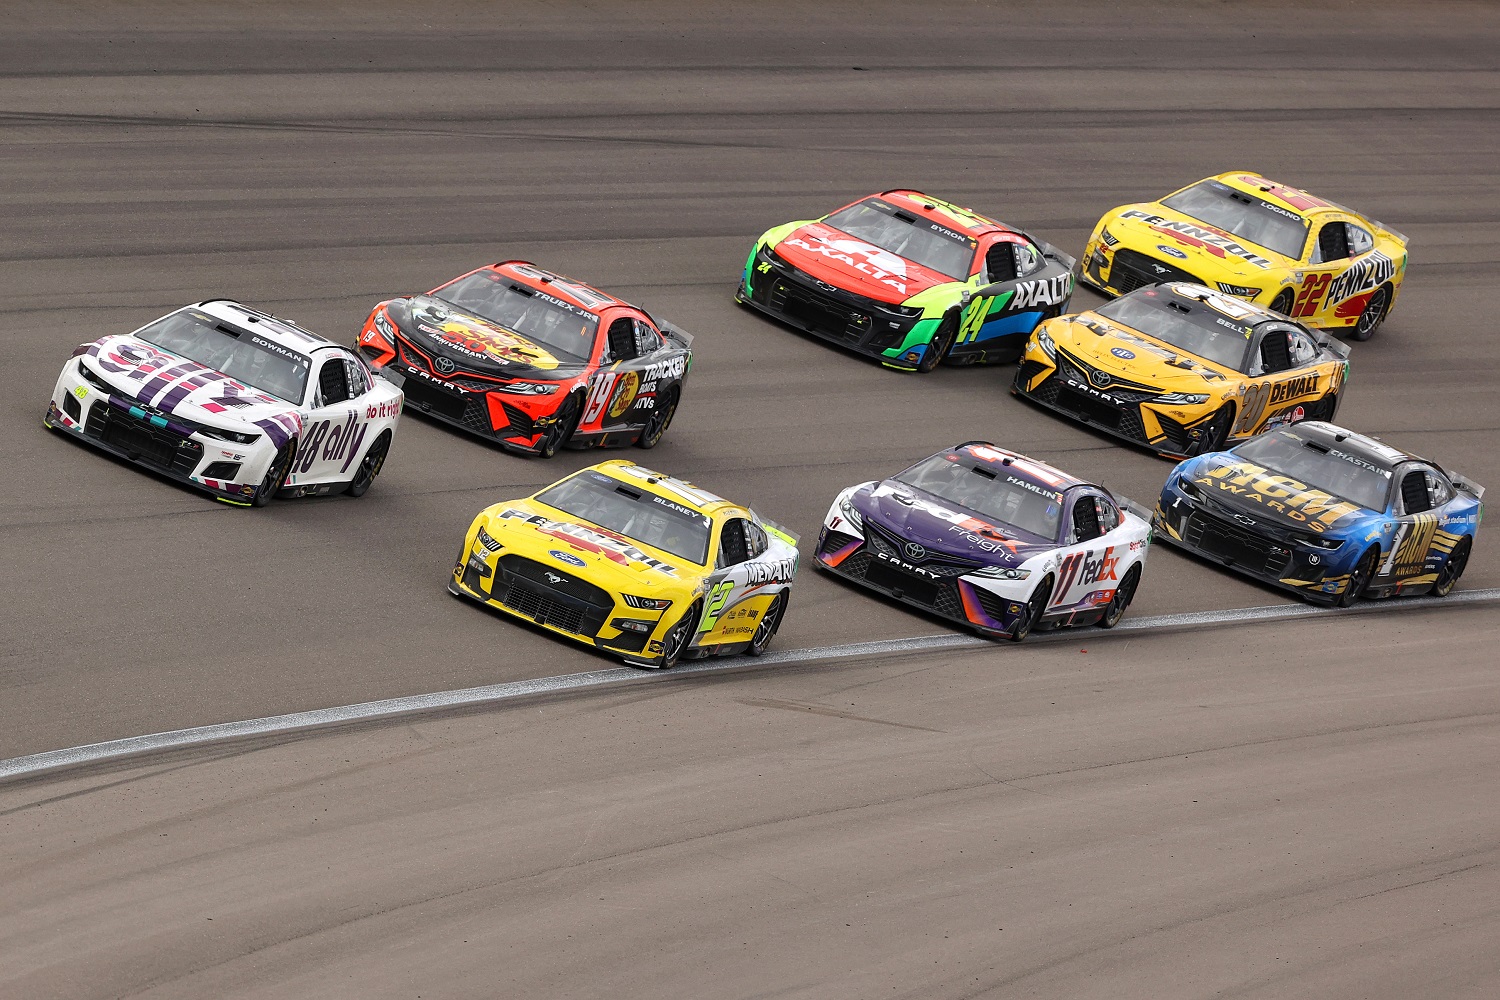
[(1182, 369), (633, 562), (1259, 240)]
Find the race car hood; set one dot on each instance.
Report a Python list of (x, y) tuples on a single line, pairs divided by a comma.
[(827, 254), (913, 515), (585, 550), (1210, 253), (1263, 495), (143, 372), (1133, 355), (475, 343)]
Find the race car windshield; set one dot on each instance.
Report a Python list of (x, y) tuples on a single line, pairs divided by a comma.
[(561, 328), (1349, 477), (639, 515), (240, 354), (1236, 212), (1192, 327), (905, 236), (993, 496)]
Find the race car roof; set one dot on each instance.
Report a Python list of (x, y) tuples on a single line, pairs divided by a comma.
[(969, 222), (576, 292), (679, 490), (280, 331), (1010, 463), (1193, 292), (1333, 436), (1293, 199)]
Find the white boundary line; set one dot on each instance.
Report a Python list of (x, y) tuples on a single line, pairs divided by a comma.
[(494, 693)]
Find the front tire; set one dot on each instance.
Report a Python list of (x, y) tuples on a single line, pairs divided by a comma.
[(275, 475), (661, 419), (1453, 568), (770, 624), (1035, 608), (1124, 594), (941, 343), (1215, 432), (1372, 315), (1359, 579), (369, 466), (562, 427), (1284, 302), (679, 636)]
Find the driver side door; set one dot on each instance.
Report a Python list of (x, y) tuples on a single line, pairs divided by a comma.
[(334, 435)]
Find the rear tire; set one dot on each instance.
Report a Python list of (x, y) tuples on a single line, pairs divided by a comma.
[(369, 466), (1124, 594), (1373, 314), (770, 624), (1452, 569), (661, 419), (1035, 608), (275, 475), (1359, 579), (1284, 302), (561, 430), (941, 343)]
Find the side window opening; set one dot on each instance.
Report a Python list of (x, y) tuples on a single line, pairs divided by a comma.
[(1414, 495), (647, 340), (758, 541), (1438, 489), (1086, 519), (622, 339), (1275, 351), (1000, 262), (1303, 349), (733, 549), (1333, 242), (1109, 515), (358, 378), (1360, 241), (333, 382)]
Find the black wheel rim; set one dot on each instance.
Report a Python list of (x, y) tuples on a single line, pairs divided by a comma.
[(678, 640), (1360, 578), (560, 429), (657, 425), (1283, 303), (1454, 568), (274, 476), (767, 624), (1121, 600), (370, 467), (1374, 309)]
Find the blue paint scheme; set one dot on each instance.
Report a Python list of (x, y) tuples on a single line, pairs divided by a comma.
[(1005, 326)]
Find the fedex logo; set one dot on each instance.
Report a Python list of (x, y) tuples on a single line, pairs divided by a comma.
[(1086, 568)]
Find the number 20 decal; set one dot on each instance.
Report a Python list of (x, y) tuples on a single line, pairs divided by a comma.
[(1311, 294), (1252, 406), (717, 598)]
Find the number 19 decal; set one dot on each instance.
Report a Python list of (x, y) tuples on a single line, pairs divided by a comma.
[(717, 598)]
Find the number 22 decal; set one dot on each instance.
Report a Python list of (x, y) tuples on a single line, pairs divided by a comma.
[(717, 598), (1311, 294)]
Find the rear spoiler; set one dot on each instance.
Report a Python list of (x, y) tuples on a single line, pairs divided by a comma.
[(1139, 510), (1463, 484), (1330, 343), (675, 334), (790, 537)]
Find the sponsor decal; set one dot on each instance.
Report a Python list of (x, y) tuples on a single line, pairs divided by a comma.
[(1374, 270), (626, 387), (389, 408), (1294, 500), (567, 557), (1087, 568), (271, 347), (592, 298), (671, 368), (1122, 353), (1216, 243), (779, 571), (1171, 251), (329, 441), (979, 542), (612, 547), (882, 265), (1302, 385), (1042, 292)]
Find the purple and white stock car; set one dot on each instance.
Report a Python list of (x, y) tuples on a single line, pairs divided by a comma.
[(991, 539), (231, 400)]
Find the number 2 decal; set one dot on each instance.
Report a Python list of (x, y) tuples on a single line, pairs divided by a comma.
[(1252, 406), (1311, 294), (717, 598)]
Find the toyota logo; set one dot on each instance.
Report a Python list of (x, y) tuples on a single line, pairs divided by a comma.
[(1101, 379), (915, 551), (444, 366)]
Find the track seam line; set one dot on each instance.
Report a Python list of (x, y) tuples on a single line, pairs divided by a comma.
[(387, 708)]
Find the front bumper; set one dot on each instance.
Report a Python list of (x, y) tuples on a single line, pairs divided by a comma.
[(852, 321), (486, 414), (1261, 551), (1117, 269), (870, 562)]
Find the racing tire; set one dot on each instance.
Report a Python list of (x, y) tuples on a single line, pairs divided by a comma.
[(561, 430), (661, 419), (941, 343), (1324, 409), (1454, 568), (770, 624), (1124, 594), (275, 475), (1372, 315), (1284, 302), (676, 641), (1215, 431), (369, 466), (1360, 577), (1035, 608)]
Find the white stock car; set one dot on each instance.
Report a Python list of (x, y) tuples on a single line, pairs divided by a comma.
[(991, 539), (232, 400)]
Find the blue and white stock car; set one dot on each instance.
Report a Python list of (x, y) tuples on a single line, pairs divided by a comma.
[(1325, 512), (233, 401)]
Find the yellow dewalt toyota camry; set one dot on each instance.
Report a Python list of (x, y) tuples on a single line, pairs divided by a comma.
[(1259, 240), (634, 562), (1183, 369)]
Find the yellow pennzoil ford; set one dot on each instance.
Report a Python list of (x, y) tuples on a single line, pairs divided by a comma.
[(633, 562)]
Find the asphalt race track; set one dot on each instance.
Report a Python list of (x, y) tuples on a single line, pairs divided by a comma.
[(1299, 809)]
